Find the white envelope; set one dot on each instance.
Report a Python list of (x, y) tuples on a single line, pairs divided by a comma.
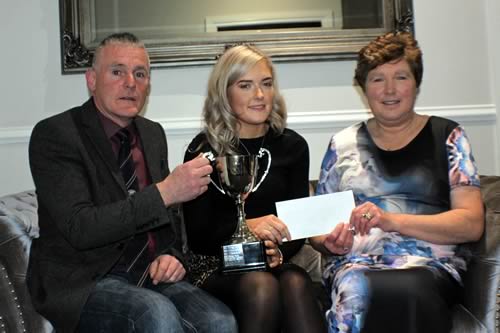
[(316, 215)]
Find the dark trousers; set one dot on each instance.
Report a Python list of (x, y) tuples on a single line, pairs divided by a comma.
[(411, 300)]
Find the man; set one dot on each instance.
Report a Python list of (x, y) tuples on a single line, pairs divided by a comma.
[(106, 260)]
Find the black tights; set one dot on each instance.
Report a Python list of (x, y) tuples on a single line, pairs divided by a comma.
[(282, 300)]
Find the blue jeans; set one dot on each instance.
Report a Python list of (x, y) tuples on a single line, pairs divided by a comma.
[(115, 305)]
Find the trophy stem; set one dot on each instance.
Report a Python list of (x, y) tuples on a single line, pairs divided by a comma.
[(242, 233)]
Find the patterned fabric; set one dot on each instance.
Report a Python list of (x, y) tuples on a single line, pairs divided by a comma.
[(416, 179), (201, 266)]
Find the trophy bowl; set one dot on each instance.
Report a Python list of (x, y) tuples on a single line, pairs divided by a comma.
[(243, 251)]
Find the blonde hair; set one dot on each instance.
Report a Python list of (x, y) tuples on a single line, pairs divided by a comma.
[(221, 124)]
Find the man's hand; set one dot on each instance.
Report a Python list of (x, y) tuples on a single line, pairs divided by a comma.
[(186, 181), (166, 268)]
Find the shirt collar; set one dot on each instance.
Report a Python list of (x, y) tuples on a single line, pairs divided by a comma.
[(111, 128)]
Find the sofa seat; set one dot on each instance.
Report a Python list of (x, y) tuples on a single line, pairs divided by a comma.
[(480, 311)]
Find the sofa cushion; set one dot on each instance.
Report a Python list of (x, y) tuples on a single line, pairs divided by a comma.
[(23, 208)]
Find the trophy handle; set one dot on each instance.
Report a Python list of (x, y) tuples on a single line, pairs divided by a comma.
[(260, 155), (217, 186), (210, 156)]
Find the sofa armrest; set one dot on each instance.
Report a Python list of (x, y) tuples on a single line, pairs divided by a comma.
[(482, 278), (18, 226)]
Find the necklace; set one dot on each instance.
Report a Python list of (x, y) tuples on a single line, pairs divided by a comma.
[(260, 148), (259, 155)]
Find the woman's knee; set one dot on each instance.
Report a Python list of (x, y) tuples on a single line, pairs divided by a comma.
[(259, 286), (416, 283), (295, 279), (414, 296)]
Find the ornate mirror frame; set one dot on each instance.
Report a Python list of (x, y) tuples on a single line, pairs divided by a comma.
[(78, 40)]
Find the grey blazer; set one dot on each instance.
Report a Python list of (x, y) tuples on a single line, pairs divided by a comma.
[(86, 217)]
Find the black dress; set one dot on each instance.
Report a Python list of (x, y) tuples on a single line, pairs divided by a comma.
[(281, 300)]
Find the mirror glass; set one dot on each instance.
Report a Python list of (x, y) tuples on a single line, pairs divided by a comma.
[(195, 32)]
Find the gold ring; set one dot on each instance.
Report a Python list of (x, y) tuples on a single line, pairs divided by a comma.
[(367, 216)]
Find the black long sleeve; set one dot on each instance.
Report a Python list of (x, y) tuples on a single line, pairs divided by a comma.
[(212, 217)]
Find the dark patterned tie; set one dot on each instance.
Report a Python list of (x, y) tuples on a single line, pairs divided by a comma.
[(134, 254), (125, 160)]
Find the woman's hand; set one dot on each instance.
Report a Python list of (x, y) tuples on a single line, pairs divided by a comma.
[(340, 240), (464, 222), (274, 255), (367, 216), (269, 227)]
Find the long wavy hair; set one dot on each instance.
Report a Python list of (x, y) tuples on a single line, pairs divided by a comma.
[(221, 125)]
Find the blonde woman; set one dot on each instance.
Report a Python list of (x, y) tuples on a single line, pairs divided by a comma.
[(243, 114)]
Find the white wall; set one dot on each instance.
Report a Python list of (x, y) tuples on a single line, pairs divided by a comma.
[(493, 51), (461, 81)]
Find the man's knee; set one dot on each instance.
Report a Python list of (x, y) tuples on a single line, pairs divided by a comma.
[(222, 322), (159, 314)]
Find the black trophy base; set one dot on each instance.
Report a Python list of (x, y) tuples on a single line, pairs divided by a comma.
[(243, 257)]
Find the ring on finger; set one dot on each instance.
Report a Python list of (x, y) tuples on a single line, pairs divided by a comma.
[(281, 257), (367, 216), (352, 229)]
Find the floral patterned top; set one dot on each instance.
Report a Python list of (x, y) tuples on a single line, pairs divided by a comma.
[(416, 179)]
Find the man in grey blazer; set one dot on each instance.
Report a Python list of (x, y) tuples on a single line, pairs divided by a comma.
[(107, 259)]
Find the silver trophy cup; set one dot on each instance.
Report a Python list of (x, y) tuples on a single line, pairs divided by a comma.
[(243, 251)]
